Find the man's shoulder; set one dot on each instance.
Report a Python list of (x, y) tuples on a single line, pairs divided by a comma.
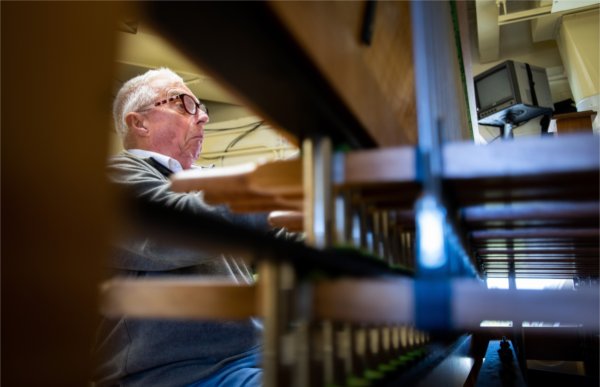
[(125, 157), (128, 163)]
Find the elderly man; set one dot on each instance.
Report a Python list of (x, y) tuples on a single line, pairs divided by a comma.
[(161, 124)]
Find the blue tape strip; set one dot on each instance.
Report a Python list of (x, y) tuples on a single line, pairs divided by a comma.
[(432, 305)]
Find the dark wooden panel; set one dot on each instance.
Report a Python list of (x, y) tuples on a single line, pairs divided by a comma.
[(56, 209), (375, 79)]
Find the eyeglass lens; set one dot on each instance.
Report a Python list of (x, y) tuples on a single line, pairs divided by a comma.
[(191, 106)]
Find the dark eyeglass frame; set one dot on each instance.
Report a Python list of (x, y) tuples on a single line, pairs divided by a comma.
[(185, 97)]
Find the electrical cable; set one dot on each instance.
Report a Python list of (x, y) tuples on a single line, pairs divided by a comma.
[(233, 127), (255, 149), (235, 141), (494, 139), (241, 136)]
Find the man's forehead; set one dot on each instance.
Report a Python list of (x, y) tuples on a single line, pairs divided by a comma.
[(175, 90), (169, 85)]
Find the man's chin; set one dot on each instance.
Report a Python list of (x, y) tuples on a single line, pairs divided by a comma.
[(196, 149), (197, 154)]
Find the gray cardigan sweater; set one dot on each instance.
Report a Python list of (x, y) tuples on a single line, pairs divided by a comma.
[(141, 352)]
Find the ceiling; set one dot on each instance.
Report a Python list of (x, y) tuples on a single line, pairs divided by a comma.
[(143, 49), (502, 27)]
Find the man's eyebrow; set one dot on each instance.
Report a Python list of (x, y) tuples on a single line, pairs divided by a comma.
[(171, 92), (174, 92)]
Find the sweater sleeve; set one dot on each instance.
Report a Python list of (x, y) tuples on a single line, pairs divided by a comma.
[(146, 254)]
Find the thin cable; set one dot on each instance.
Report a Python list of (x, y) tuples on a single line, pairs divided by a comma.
[(233, 127), (494, 139), (235, 141), (241, 136), (248, 151)]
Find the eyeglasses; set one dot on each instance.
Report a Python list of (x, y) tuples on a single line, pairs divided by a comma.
[(190, 105)]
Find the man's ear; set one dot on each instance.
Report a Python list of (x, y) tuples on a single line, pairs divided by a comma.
[(135, 122)]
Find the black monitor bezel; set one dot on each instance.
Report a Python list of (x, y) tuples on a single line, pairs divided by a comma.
[(508, 65)]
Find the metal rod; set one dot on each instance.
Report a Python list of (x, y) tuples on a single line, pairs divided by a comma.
[(269, 300)]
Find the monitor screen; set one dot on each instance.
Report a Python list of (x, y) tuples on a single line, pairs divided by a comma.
[(493, 88)]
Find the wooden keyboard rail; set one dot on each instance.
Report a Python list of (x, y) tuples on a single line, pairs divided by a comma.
[(387, 301), (177, 298)]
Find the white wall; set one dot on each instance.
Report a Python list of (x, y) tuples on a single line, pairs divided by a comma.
[(579, 45), (516, 43)]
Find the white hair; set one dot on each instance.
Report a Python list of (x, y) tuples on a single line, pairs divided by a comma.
[(138, 92)]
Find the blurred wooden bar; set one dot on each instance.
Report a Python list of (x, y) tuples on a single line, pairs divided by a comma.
[(179, 298), (373, 301), (248, 187), (290, 220), (562, 168)]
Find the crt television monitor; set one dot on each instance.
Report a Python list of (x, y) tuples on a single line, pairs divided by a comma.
[(512, 92)]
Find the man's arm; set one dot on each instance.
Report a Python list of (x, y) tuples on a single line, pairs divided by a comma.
[(144, 181), (145, 254)]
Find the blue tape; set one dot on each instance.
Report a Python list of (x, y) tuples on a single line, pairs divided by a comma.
[(432, 305)]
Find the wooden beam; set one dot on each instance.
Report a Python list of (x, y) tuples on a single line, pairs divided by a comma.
[(178, 298)]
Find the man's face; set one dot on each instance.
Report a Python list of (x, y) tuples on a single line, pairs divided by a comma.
[(173, 131)]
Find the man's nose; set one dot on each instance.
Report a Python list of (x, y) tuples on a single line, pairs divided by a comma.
[(202, 117)]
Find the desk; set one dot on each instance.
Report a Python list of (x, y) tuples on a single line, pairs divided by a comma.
[(574, 122)]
